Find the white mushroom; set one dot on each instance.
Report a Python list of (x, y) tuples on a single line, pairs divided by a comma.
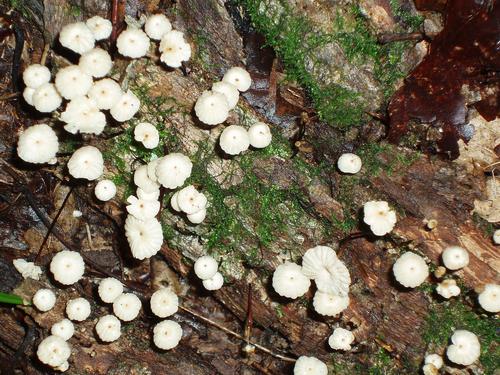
[(148, 196), (330, 274), (410, 270), (27, 269), (96, 62), (82, 115), (53, 351), (234, 139), (214, 283), (157, 26), (147, 134), (72, 82), (190, 200), (167, 334), (489, 298), (28, 95), (127, 306), (260, 135), (455, 257), (108, 328), (110, 289), (86, 162), (46, 98), (205, 267), (496, 237), (144, 237), (67, 267), (164, 303), (105, 93), (44, 299), (173, 170), (435, 359), (142, 209), (465, 348), (78, 309), (142, 180), (238, 77), (105, 190), (380, 217), (133, 43), (349, 163), (341, 339), (36, 75), (212, 108), (448, 288), (289, 281), (77, 37), (197, 217), (126, 107), (174, 49), (229, 91), (329, 304), (309, 366), (63, 328), (100, 27), (38, 144)]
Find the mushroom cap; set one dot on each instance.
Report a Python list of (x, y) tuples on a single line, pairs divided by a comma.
[(44, 299), (133, 43), (260, 135), (341, 339), (174, 49), (448, 288), (410, 270), (455, 257), (229, 91), (78, 309), (465, 348), (164, 303), (434, 359), (309, 366), (157, 26), (108, 328), (53, 351), (82, 115), (152, 169), (238, 77), (77, 37), (96, 62), (289, 281), (67, 267), (27, 269), (143, 181), (205, 267), (174, 203), (379, 216), (430, 369), (496, 237), (86, 162), (234, 139), (63, 328), (105, 93), (329, 304), (100, 27), (214, 283), (173, 170), (167, 334), (191, 200), (489, 298), (197, 217), (212, 108), (142, 209), (105, 190), (28, 95), (110, 289), (36, 75), (349, 163), (38, 144), (72, 82), (148, 196), (147, 134), (144, 237), (126, 107), (127, 306), (330, 274), (46, 98)]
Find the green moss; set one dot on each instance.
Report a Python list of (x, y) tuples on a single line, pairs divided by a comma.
[(384, 157), (411, 22), (382, 364), (446, 317)]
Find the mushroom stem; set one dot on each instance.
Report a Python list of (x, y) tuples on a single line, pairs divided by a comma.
[(45, 53)]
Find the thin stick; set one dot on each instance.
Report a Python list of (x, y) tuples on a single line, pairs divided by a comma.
[(89, 237), (237, 335), (45, 53)]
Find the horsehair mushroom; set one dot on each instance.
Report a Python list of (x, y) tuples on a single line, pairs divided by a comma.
[(46, 98), (212, 108), (108, 328), (38, 144), (63, 328), (167, 334), (379, 216), (96, 62), (214, 283), (105, 190), (67, 267), (100, 27), (448, 288), (133, 43), (234, 140), (190, 200), (27, 269), (109, 289), (53, 351), (410, 270), (87, 163), (465, 348), (309, 366), (173, 170), (238, 77), (205, 267), (127, 306), (260, 135), (157, 25), (174, 49), (77, 37), (83, 115), (44, 299), (105, 93), (36, 75), (289, 281), (126, 107), (142, 209), (229, 91), (78, 309), (144, 237), (349, 163), (147, 134), (72, 82), (489, 298), (164, 303), (435, 359), (341, 339), (143, 181), (329, 304), (455, 257), (496, 237)]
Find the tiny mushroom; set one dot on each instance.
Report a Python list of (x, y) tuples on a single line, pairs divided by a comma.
[(147, 134), (63, 328), (38, 144), (46, 98), (82, 115), (144, 237), (173, 170), (214, 283), (341, 339), (448, 288), (27, 269), (229, 91), (157, 26), (87, 163), (379, 216), (260, 135), (489, 298), (109, 289), (205, 267), (72, 82), (329, 304), (465, 348), (67, 267), (77, 37), (127, 306), (309, 366), (143, 181), (167, 334), (435, 359), (44, 299), (96, 62), (212, 108), (78, 309), (190, 200), (105, 190), (36, 75), (238, 77), (410, 270), (349, 163), (133, 43), (455, 257), (174, 49), (289, 281), (142, 209), (496, 237), (100, 27), (53, 351), (198, 216), (126, 107), (234, 140), (105, 93), (164, 303), (108, 328)]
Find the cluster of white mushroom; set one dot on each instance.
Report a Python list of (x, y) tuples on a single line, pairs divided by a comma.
[(213, 107), (206, 268), (191, 202)]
